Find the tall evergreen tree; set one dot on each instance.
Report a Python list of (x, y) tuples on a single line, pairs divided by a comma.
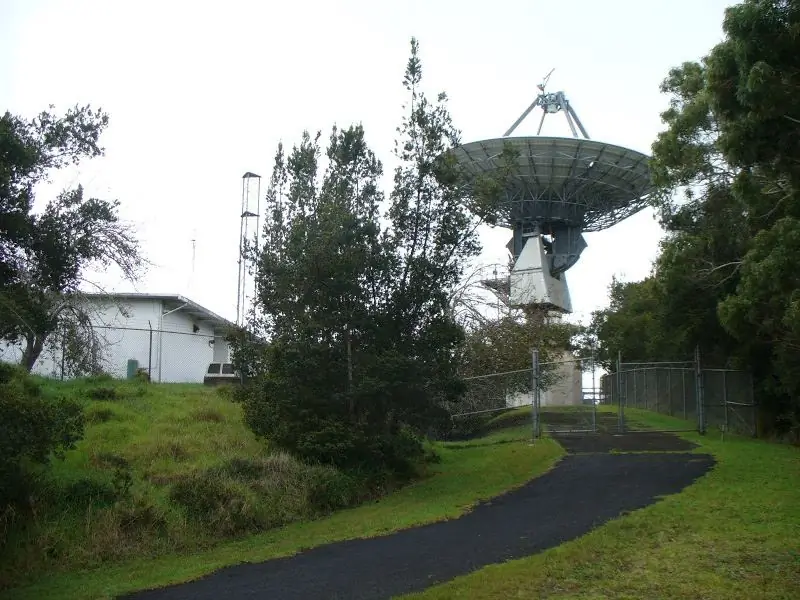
[(362, 345)]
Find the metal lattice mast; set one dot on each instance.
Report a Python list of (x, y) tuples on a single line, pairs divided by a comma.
[(250, 209)]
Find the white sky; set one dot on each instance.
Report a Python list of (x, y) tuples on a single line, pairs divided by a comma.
[(200, 92)]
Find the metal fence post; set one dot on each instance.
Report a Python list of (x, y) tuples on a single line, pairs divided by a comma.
[(621, 412), (644, 388), (63, 349), (683, 391), (725, 397), (658, 370), (754, 406), (669, 390), (594, 396), (700, 392), (535, 399)]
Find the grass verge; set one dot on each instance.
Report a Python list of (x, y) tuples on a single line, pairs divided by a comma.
[(467, 473), (733, 534), (162, 469)]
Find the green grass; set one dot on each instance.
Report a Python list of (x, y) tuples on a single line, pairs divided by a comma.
[(172, 437), (467, 473), (733, 534)]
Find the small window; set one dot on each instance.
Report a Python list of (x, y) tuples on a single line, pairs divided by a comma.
[(227, 369), (213, 369)]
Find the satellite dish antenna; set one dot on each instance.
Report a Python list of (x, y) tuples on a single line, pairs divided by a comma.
[(558, 188)]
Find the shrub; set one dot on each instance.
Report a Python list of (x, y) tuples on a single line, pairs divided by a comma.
[(331, 489), (33, 427), (88, 491), (222, 505), (300, 406), (99, 414), (248, 495), (103, 392), (138, 516)]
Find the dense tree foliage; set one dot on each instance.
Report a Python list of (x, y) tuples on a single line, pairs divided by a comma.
[(33, 428), (45, 253), (355, 303), (727, 172)]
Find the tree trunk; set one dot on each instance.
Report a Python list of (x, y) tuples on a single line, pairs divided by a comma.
[(33, 348)]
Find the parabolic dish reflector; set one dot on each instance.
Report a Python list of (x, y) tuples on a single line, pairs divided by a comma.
[(583, 183)]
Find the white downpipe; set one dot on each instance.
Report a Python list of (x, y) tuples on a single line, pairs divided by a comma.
[(163, 314)]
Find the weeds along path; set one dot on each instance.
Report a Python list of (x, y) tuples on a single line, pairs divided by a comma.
[(582, 492)]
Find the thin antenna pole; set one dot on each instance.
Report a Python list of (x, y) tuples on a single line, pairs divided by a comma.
[(194, 254)]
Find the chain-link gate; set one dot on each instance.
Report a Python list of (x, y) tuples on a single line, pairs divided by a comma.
[(550, 396), (562, 403), (699, 398)]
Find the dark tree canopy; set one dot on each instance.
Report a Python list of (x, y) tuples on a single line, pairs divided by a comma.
[(727, 169), (45, 254), (354, 290)]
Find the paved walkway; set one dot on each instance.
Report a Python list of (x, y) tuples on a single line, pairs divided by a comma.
[(582, 492)]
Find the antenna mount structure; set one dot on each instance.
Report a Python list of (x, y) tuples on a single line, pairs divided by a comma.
[(551, 103), (251, 209)]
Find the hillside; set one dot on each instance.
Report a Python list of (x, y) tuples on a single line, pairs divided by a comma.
[(161, 469), (167, 471)]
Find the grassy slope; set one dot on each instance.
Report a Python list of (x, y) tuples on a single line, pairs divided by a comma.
[(468, 472), (165, 432), (733, 534)]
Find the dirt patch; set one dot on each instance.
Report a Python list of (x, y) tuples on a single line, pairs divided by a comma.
[(579, 494)]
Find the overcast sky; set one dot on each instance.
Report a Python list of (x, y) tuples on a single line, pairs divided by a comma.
[(200, 92)]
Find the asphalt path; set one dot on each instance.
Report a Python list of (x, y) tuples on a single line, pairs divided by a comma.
[(587, 488)]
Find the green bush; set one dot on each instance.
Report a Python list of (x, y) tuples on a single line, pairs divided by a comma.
[(296, 410), (332, 489), (138, 516), (33, 427), (99, 414), (220, 504), (88, 491), (103, 392), (248, 495)]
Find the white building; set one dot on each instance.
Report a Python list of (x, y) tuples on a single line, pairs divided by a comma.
[(169, 335)]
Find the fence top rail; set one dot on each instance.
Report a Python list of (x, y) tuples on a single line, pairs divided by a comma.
[(486, 376), (653, 369), (665, 362), (488, 410), (565, 362), (704, 369)]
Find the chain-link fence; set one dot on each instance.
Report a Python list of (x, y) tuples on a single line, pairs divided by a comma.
[(700, 397), (554, 390), (495, 392), (165, 356)]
